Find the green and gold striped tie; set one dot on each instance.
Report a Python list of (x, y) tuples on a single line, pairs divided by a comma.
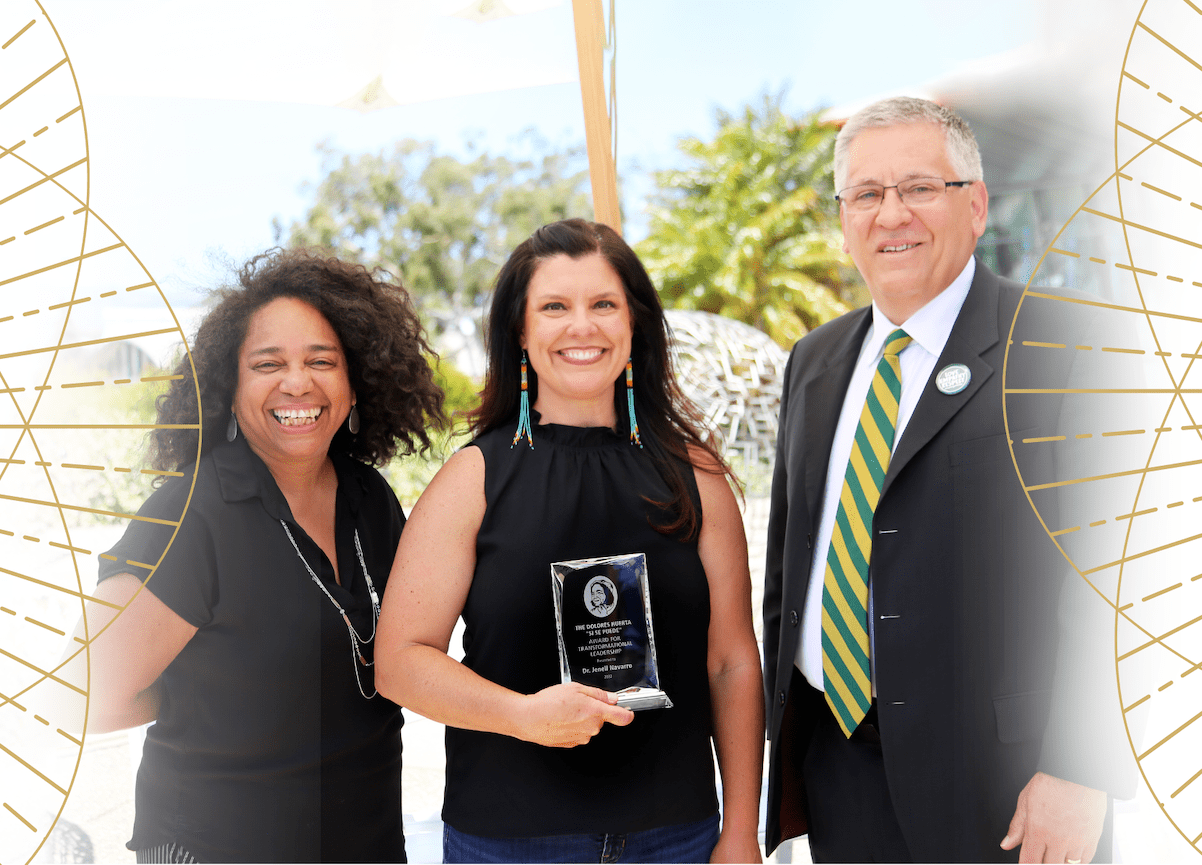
[(845, 670)]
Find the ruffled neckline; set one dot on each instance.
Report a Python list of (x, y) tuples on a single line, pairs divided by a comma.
[(573, 436)]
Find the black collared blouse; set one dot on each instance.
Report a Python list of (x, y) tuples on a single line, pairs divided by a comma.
[(265, 749)]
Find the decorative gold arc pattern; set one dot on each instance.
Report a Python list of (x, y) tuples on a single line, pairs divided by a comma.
[(1104, 402), (73, 394)]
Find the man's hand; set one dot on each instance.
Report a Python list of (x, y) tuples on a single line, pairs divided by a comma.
[(1056, 821)]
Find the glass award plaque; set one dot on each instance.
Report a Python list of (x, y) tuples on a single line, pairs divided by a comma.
[(603, 620)]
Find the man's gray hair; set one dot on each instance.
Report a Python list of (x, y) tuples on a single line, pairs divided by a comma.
[(962, 150)]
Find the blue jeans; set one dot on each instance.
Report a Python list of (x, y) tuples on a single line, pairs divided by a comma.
[(686, 842)]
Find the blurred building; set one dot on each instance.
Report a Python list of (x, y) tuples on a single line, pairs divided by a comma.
[(1044, 117)]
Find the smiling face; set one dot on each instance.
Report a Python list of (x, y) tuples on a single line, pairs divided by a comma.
[(909, 255), (577, 333), (293, 390)]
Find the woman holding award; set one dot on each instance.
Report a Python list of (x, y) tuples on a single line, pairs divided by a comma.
[(637, 520)]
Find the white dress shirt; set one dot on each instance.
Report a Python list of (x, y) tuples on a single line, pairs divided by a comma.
[(929, 327)]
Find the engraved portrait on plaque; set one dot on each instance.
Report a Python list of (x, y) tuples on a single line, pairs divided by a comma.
[(603, 622)]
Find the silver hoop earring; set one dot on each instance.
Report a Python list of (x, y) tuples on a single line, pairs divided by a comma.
[(352, 420), (231, 429)]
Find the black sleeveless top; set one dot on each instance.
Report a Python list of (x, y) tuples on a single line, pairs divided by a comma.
[(580, 493)]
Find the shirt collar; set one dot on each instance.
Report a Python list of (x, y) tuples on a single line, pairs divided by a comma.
[(931, 325), (243, 476)]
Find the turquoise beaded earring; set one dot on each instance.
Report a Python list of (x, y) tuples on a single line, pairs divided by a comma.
[(634, 424), (524, 409)]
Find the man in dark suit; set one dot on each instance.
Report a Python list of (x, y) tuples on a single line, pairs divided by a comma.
[(953, 741)]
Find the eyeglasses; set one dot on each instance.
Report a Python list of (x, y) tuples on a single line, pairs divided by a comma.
[(913, 193)]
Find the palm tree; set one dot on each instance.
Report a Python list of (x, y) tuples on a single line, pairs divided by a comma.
[(750, 229)]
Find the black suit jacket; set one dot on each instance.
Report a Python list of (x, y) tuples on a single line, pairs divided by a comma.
[(965, 663)]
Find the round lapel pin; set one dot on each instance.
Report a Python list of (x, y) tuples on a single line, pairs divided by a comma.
[(953, 378)]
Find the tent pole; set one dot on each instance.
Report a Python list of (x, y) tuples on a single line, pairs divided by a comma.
[(590, 54)]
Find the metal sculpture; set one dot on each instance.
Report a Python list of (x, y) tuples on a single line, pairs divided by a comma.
[(733, 373)]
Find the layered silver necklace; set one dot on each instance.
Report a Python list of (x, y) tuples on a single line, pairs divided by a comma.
[(357, 639)]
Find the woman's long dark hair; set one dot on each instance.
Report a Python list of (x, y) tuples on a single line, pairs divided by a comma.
[(669, 425)]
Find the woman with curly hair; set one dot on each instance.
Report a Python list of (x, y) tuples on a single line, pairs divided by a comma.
[(544, 771), (251, 647)]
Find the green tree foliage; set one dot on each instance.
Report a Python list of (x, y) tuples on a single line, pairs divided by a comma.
[(461, 392), (750, 229), (440, 224), (410, 475)]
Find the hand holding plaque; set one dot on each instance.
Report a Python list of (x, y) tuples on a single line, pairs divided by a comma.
[(603, 621)]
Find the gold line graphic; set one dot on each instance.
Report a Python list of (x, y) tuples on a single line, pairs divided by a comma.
[(1127, 295), (1169, 44), (1161, 592), (19, 33), (65, 279), (31, 768), (101, 341), (1128, 473), (1156, 640), (1135, 556), (1102, 390), (1129, 224), (45, 179), (1170, 736), (33, 426), (82, 509), (9, 808), (74, 260), (1139, 702), (1160, 143), (1116, 307), (30, 85), (1156, 189), (1192, 779), (42, 672), (73, 593)]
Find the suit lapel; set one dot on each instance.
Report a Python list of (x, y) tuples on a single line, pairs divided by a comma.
[(824, 394), (974, 333)]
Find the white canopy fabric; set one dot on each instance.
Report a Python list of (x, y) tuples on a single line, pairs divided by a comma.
[(361, 54)]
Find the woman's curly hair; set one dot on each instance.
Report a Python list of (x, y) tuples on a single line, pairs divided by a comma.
[(382, 339)]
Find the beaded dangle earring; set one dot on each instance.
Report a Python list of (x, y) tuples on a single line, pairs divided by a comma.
[(634, 424), (524, 409)]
